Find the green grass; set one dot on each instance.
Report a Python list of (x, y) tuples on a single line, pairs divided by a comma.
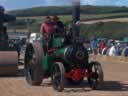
[(83, 17), (115, 30), (112, 30), (37, 20), (103, 16)]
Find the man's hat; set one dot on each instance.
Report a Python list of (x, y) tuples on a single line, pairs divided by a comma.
[(55, 18)]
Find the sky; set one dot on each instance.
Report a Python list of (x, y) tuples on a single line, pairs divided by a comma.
[(20, 4)]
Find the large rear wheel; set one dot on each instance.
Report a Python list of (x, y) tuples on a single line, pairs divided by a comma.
[(58, 80), (97, 76), (33, 59)]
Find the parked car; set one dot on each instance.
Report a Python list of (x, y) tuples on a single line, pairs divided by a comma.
[(34, 37)]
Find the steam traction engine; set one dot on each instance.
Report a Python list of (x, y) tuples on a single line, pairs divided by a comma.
[(8, 53), (63, 62)]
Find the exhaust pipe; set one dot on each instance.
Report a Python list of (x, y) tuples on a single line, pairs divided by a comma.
[(75, 18)]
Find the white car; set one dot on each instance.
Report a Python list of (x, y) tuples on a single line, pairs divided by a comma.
[(34, 37)]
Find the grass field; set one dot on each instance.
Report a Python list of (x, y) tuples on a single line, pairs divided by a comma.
[(84, 17), (119, 29)]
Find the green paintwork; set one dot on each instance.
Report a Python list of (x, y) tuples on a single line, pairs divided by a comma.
[(48, 61), (45, 63), (57, 42), (60, 52)]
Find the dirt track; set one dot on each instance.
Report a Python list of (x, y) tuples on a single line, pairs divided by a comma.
[(106, 20), (116, 84)]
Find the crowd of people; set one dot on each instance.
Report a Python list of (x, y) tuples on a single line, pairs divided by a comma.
[(109, 47)]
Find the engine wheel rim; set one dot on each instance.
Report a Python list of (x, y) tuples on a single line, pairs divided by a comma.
[(56, 77), (95, 73), (96, 76), (30, 64)]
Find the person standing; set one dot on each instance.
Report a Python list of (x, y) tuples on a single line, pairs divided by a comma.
[(47, 29), (59, 26), (102, 46), (112, 51), (94, 46)]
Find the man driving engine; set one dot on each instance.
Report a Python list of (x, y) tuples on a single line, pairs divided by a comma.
[(47, 29)]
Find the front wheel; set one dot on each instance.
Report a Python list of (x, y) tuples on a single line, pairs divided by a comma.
[(58, 76), (97, 76), (33, 57)]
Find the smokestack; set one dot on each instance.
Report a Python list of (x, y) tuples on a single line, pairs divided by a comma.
[(75, 17)]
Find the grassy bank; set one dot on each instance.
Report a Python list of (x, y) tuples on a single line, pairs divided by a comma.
[(115, 30)]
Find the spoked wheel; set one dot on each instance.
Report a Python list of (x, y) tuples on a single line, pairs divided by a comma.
[(58, 76), (33, 72), (97, 76)]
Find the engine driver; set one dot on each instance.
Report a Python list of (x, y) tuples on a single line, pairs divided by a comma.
[(47, 29), (59, 26)]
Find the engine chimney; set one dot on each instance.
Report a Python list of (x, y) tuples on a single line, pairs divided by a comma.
[(75, 18)]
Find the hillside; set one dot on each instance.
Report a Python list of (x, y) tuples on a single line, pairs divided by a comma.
[(119, 29), (67, 10), (115, 30)]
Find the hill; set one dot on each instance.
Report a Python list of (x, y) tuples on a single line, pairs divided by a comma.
[(116, 30), (112, 30), (67, 10)]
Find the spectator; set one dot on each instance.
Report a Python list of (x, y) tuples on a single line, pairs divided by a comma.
[(93, 46), (118, 50), (18, 48), (125, 51), (112, 51), (102, 46), (104, 51)]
